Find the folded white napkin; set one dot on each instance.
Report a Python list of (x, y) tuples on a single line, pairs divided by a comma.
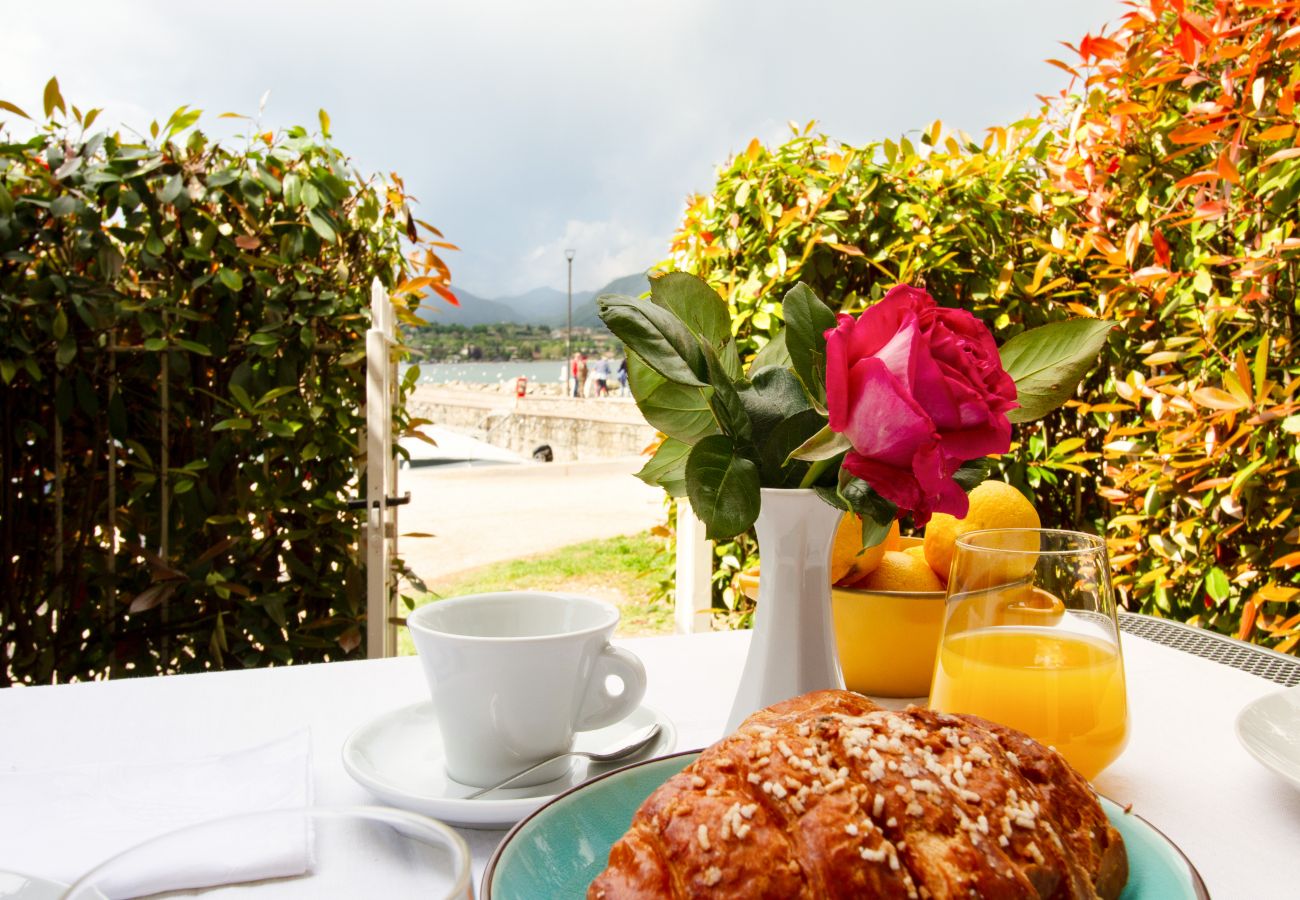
[(59, 823)]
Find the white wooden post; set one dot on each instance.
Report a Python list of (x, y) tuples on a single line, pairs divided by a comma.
[(694, 572), (381, 635)]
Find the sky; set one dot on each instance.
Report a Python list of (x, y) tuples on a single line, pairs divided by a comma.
[(526, 127)]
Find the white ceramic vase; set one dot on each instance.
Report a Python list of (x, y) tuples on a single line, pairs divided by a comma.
[(792, 650)]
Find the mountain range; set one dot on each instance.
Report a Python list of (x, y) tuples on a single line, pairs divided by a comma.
[(540, 306)]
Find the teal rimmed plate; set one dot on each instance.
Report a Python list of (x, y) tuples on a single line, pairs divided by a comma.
[(559, 849)]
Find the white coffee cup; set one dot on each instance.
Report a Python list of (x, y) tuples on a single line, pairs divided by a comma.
[(513, 675)]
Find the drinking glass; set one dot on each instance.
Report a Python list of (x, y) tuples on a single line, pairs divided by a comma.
[(1031, 640), (322, 851)]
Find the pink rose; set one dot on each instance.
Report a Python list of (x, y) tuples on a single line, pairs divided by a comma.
[(918, 390)]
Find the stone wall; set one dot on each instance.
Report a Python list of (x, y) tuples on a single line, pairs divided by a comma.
[(575, 429)]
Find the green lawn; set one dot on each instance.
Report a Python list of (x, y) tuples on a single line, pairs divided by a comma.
[(626, 571)]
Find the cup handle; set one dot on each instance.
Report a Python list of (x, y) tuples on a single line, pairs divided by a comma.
[(600, 707)]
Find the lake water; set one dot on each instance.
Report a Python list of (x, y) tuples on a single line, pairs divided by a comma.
[(544, 371)]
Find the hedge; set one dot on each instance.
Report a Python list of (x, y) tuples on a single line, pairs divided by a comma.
[(1159, 191), (181, 378)]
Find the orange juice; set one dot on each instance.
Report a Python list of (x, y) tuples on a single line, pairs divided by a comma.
[(1064, 689)]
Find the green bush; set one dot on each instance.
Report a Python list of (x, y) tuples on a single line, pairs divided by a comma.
[(1160, 193), (181, 374)]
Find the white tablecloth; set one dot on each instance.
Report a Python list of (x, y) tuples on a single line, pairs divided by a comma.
[(1183, 770)]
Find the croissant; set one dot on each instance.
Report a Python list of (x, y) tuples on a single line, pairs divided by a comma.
[(829, 795)]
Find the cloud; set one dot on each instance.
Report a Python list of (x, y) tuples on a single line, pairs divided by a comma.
[(525, 127), (604, 250)]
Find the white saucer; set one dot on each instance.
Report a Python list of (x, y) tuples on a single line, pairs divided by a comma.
[(398, 758), (14, 886), (1269, 728)]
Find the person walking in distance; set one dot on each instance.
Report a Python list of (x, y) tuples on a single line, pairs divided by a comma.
[(581, 389), (573, 372)]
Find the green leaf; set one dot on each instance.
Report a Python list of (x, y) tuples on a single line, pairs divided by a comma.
[(774, 461), (773, 396), (5, 104), (774, 353), (222, 520), (233, 424), (1216, 584), (63, 205), (264, 339), (117, 419), (87, 399), (231, 279), (59, 327), (172, 188), (241, 397), (53, 99), (825, 444), (695, 304), (153, 345), (807, 319), (678, 411), (6, 202), (1048, 362), (67, 351), (194, 347), (321, 226), (972, 473), (181, 119), (877, 513), (725, 400), (723, 487), (276, 393), (657, 336), (667, 468), (324, 122)]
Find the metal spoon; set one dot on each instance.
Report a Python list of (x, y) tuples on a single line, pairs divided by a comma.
[(638, 740)]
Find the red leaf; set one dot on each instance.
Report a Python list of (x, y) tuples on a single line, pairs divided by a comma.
[(1186, 45), (1248, 613), (1066, 67), (1227, 170), (1276, 133), (1196, 178), (1199, 28), (1208, 211), (1161, 247), (1099, 47), (446, 295)]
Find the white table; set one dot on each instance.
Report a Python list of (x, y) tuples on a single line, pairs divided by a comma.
[(1183, 770)]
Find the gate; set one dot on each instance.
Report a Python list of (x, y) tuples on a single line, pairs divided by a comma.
[(379, 533)]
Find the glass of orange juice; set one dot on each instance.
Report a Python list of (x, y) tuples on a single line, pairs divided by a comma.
[(1031, 640)]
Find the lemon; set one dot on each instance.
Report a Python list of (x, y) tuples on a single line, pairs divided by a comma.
[(918, 550), (849, 560), (993, 504), (901, 571)]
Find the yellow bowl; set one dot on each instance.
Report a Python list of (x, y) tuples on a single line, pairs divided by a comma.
[(887, 640)]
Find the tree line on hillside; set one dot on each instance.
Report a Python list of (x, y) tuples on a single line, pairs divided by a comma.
[(502, 341)]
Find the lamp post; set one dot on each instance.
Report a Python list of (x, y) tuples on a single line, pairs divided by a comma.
[(568, 334)]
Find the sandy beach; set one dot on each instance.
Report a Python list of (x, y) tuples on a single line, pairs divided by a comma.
[(495, 513)]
